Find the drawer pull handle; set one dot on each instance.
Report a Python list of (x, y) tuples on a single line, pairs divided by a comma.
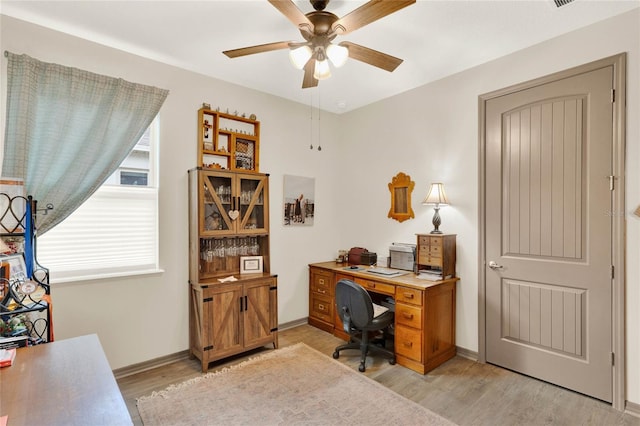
[(321, 291), (321, 281), (408, 344), (407, 315), (408, 296)]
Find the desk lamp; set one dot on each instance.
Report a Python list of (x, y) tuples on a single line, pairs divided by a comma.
[(437, 197)]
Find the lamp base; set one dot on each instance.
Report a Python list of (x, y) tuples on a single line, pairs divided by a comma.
[(436, 221)]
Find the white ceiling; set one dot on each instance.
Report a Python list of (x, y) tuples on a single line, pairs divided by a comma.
[(435, 38)]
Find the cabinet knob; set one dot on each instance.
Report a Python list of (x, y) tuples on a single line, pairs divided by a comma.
[(321, 307), (321, 281)]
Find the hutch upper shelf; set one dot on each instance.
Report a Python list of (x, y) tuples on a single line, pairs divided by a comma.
[(227, 141)]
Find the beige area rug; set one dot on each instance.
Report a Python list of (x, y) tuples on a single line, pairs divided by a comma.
[(295, 385)]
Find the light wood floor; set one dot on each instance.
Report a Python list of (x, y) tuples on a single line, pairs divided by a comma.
[(463, 391)]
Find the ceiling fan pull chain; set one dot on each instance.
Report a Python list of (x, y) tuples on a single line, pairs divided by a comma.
[(311, 121), (319, 141)]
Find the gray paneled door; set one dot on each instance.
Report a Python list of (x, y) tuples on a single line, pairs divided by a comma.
[(549, 232)]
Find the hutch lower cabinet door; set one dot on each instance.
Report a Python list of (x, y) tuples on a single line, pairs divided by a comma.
[(230, 318)]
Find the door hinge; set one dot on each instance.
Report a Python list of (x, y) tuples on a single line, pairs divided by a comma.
[(613, 272), (612, 180), (613, 95), (613, 358)]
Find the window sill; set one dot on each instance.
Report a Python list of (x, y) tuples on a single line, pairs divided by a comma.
[(103, 276)]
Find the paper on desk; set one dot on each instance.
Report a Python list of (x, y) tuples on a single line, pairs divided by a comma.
[(230, 278)]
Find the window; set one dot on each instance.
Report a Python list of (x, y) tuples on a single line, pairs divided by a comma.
[(115, 232), (128, 177)]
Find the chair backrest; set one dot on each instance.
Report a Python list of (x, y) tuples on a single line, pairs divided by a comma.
[(354, 304)]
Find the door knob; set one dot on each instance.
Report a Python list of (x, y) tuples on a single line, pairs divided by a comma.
[(494, 265)]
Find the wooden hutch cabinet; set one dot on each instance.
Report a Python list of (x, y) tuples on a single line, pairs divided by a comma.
[(229, 317), (231, 309)]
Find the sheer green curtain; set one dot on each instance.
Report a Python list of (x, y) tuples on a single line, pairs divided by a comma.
[(67, 130)]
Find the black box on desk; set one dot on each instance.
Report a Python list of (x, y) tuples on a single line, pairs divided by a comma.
[(368, 258)]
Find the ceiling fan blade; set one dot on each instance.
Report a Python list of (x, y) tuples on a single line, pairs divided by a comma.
[(309, 80), (368, 13), (291, 12), (243, 51), (372, 57)]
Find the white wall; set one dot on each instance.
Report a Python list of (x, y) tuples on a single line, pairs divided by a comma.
[(145, 317), (430, 133)]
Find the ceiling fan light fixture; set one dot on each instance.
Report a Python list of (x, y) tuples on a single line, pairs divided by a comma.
[(300, 56), (337, 54), (322, 70)]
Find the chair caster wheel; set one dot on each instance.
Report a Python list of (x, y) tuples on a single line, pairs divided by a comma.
[(361, 367), (392, 361), (336, 355)]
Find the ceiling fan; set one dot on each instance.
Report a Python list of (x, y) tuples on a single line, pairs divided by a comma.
[(319, 28)]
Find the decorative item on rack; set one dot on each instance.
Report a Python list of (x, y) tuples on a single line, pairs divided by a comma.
[(251, 264), (437, 197)]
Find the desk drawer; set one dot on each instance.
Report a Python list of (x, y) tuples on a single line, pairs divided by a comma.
[(321, 289), (376, 287), (426, 259), (430, 240), (408, 295), (321, 308), (322, 282), (408, 342), (409, 315)]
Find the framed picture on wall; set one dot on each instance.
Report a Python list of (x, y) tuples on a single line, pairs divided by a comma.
[(299, 204)]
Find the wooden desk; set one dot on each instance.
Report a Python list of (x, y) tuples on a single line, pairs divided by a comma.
[(425, 311), (66, 382)]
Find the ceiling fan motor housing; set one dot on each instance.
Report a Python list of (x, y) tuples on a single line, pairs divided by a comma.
[(322, 22), (319, 4)]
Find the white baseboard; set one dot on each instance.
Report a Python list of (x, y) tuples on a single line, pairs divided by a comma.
[(632, 408), (466, 353), (148, 365)]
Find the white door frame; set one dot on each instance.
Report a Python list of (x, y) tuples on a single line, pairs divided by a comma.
[(619, 215)]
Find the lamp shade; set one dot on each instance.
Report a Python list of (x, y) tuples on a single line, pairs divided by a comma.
[(322, 70), (300, 56), (436, 195), (337, 54)]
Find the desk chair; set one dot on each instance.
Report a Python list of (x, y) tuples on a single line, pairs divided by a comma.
[(355, 309)]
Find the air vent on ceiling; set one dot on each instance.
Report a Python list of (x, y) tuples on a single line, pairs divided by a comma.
[(560, 3)]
